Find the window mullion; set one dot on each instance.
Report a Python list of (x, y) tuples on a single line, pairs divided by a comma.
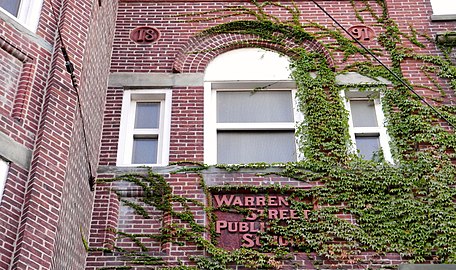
[(143, 131), (255, 126), (366, 130)]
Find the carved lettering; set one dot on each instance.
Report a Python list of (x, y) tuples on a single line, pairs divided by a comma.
[(237, 200), (261, 201), (272, 214), (232, 227), (283, 201), (272, 201), (248, 240), (223, 200), (362, 32), (144, 34), (283, 214), (241, 226), (244, 226), (251, 240), (220, 224), (249, 201), (243, 229), (252, 215)]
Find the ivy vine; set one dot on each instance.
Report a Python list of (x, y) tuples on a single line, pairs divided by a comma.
[(406, 208)]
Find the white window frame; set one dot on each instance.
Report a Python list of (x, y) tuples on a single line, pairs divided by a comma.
[(244, 69), (28, 14), (211, 127), (127, 131), (4, 168), (384, 139)]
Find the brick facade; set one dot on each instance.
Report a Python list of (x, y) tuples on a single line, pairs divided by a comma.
[(174, 53), (48, 211), (46, 207)]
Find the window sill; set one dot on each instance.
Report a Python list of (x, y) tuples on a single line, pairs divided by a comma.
[(443, 17), (121, 170), (20, 27), (447, 39)]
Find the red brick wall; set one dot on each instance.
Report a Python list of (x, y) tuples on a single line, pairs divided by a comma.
[(23, 91), (112, 215), (77, 200), (172, 53), (111, 125), (187, 124), (10, 209), (10, 68), (417, 14), (176, 31), (46, 209)]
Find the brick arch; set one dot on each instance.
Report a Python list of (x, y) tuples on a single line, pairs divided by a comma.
[(200, 50)]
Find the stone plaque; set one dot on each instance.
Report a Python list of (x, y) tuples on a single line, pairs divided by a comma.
[(144, 34), (362, 32), (242, 217)]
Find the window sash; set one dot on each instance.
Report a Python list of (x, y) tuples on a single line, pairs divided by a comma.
[(145, 133), (246, 107), (255, 126), (145, 150), (129, 133), (443, 7), (149, 116), (11, 6), (212, 127), (28, 13), (368, 146), (363, 113), (249, 146), (360, 131)]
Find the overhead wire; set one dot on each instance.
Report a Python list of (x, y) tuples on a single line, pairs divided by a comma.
[(386, 67), (70, 69)]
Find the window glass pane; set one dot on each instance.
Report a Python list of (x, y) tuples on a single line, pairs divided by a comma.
[(255, 146), (248, 107), (363, 113), (368, 146), (12, 6), (4, 166), (147, 115), (145, 150)]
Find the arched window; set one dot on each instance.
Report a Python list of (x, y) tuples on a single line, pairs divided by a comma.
[(250, 113), (443, 10), (441, 7)]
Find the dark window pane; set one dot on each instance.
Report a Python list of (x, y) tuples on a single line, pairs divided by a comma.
[(248, 107), (368, 146), (255, 146), (145, 150), (12, 6), (363, 113), (147, 115)]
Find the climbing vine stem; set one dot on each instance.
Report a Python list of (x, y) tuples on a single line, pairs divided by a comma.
[(405, 208)]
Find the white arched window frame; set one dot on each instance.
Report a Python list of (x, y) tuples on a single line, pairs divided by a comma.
[(254, 74), (26, 12)]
